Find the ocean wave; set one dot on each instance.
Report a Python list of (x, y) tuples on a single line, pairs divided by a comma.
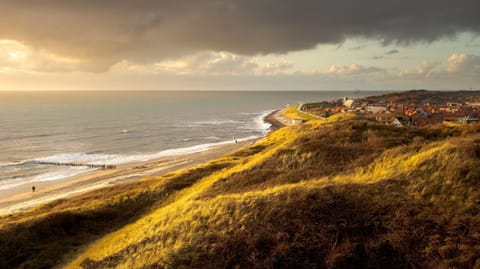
[(260, 123), (85, 159), (82, 160), (47, 176), (215, 122), (188, 150), (212, 138), (9, 164), (61, 174), (99, 158), (257, 123), (206, 123), (14, 163), (12, 185)]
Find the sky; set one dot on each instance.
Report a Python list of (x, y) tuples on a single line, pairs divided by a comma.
[(239, 45)]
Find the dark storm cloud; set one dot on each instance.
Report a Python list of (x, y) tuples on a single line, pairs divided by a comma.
[(390, 52), (104, 31), (358, 47)]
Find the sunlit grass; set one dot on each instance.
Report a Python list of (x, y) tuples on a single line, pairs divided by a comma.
[(293, 113), (308, 194), (163, 216)]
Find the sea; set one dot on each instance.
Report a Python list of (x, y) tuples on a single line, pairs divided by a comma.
[(112, 128)]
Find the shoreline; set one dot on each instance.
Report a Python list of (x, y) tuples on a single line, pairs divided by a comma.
[(18, 199), (273, 120), (21, 198), (277, 120)]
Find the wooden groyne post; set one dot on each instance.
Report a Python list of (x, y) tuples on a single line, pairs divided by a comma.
[(101, 166)]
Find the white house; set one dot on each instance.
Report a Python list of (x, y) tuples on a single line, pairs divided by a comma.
[(348, 102), (396, 122), (376, 109)]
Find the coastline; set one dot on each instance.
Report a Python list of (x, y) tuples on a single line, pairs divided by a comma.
[(21, 198), (277, 120)]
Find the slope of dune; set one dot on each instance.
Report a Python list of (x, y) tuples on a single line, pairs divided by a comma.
[(342, 193)]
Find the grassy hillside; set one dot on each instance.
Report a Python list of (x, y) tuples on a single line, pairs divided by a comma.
[(343, 193), (423, 96), (292, 112)]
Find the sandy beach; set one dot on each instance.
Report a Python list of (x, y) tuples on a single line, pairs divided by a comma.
[(22, 198)]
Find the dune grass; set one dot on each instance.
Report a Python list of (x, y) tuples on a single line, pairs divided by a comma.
[(293, 113), (345, 192)]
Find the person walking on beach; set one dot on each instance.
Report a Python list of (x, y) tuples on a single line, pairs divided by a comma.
[(33, 188)]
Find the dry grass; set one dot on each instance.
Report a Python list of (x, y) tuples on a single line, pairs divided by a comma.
[(341, 193), (292, 113), (35, 239)]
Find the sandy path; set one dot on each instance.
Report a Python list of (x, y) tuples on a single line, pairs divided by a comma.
[(277, 119)]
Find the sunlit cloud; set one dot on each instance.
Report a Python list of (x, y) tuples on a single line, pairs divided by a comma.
[(17, 57), (423, 70), (463, 63), (354, 69), (226, 64), (280, 68), (207, 63)]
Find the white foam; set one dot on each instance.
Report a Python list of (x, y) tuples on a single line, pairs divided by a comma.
[(204, 123), (48, 176), (177, 151), (215, 122), (13, 163), (61, 174), (117, 159), (101, 159), (77, 158), (212, 138), (7, 186), (180, 151), (260, 123)]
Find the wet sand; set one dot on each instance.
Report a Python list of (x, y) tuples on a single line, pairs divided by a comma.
[(22, 198)]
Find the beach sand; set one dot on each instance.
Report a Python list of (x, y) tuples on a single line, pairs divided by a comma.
[(22, 198)]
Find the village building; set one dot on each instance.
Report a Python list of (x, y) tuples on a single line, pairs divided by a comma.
[(395, 122), (376, 109), (297, 121), (408, 112), (350, 103)]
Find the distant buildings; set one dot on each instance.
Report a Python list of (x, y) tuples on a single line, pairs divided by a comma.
[(407, 113)]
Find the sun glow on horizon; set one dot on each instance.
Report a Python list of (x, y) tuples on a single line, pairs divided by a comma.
[(357, 63), (16, 55)]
